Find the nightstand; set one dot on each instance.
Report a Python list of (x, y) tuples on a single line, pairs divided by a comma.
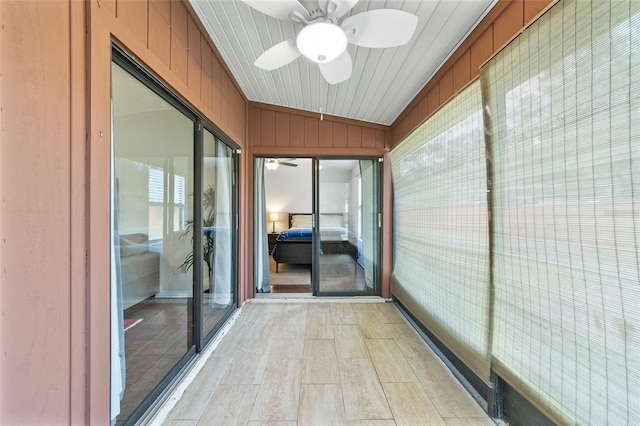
[(272, 241)]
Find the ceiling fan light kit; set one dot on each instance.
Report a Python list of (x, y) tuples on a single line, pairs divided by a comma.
[(271, 164), (321, 41), (324, 41)]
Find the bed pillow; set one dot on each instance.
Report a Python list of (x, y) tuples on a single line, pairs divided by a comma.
[(301, 221)]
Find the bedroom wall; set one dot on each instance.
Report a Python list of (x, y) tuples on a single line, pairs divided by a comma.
[(288, 190)]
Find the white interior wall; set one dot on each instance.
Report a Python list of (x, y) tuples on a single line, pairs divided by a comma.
[(289, 190), (155, 138)]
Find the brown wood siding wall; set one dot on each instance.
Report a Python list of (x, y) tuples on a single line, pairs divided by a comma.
[(171, 32), (504, 21), (272, 127), (43, 217)]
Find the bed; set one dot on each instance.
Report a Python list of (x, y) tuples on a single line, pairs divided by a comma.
[(293, 246)]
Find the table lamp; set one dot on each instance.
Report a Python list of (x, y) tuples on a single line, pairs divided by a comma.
[(273, 217)]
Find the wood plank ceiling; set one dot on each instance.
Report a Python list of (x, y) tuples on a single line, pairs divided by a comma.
[(384, 80)]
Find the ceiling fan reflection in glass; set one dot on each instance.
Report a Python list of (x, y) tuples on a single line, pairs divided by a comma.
[(274, 163)]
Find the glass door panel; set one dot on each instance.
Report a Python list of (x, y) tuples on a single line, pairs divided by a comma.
[(218, 226), (152, 287), (347, 232)]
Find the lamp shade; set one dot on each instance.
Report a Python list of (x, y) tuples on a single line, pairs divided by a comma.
[(273, 217), (322, 42)]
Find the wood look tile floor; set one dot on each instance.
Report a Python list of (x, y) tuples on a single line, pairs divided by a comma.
[(324, 363)]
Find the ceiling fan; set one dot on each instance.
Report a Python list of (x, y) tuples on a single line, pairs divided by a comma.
[(324, 38), (274, 163)]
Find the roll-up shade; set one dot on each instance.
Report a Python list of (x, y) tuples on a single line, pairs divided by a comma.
[(563, 103), (441, 250)]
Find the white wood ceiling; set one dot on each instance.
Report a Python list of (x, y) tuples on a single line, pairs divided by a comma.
[(384, 80)]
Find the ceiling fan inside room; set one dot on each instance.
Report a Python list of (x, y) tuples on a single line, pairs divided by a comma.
[(325, 36), (274, 163)]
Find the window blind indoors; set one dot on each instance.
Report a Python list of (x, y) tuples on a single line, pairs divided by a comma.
[(441, 270), (563, 108)]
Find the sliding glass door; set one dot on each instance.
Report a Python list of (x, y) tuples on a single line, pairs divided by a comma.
[(218, 244), (347, 227), (174, 233), (317, 226)]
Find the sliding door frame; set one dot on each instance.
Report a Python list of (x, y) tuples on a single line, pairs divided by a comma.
[(316, 240), (196, 340)]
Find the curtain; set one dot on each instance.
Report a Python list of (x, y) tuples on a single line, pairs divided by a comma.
[(222, 253), (441, 271), (564, 103), (369, 220), (261, 244), (118, 365)]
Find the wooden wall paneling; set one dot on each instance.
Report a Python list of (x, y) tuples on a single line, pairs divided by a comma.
[(160, 31), (481, 50), (354, 136), (408, 122), (109, 5), (133, 15), (532, 8), (224, 99), (35, 222), (423, 107), (339, 135), (216, 92), (325, 134), (282, 129), (296, 130), (445, 86), (238, 118), (79, 362), (224, 85), (510, 21), (311, 132), (163, 7), (368, 137), (207, 74), (381, 138), (254, 126), (179, 40), (267, 128), (433, 100), (462, 71), (194, 62)]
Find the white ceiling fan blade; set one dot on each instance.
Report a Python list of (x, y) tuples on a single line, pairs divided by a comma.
[(278, 56), (279, 9), (336, 8), (337, 70), (380, 28)]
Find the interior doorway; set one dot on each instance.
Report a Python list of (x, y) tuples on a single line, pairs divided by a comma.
[(316, 226)]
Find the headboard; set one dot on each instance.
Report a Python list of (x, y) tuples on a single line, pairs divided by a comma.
[(291, 216)]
